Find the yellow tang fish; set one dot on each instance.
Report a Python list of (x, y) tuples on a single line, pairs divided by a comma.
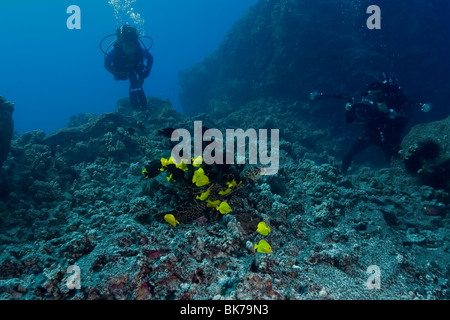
[(172, 160), (263, 246), (233, 183), (182, 165), (171, 219), (199, 178), (197, 162), (223, 208), (164, 162), (225, 192), (263, 228), (212, 204), (203, 196)]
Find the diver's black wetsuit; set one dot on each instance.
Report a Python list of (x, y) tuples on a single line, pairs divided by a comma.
[(383, 130), (135, 68)]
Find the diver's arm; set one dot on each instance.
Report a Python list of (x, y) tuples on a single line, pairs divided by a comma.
[(109, 61), (147, 65), (113, 67), (400, 106)]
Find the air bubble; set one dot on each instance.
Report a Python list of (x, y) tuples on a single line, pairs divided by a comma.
[(126, 14)]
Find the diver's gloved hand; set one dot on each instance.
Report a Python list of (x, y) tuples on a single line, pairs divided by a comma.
[(348, 106), (382, 107)]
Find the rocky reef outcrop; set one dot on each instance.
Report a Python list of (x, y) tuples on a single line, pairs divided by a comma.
[(6, 128), (79, 205), (426, 153)]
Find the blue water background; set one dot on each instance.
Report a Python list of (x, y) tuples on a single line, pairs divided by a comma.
[(52, 73)]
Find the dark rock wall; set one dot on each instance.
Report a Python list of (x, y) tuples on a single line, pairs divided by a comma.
[(6, 128)]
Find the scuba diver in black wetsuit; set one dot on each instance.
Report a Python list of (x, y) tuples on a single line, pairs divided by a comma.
[(384, 111), (126, 59)]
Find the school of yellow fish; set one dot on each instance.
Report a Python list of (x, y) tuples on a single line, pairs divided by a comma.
[(200, 179)]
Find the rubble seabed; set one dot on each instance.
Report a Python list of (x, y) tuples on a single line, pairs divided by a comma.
[(78, 198)]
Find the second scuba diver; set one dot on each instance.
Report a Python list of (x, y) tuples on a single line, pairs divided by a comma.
[(384, 111)]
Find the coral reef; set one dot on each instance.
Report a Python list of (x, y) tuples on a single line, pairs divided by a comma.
[(78, 198)]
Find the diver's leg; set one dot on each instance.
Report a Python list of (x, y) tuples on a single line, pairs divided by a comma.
[(142, 98), (137, 94), (391, 144), (390, 149), (358, 146), (134, 91), (133, 99)]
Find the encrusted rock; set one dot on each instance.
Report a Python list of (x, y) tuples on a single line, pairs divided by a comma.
[(426, 153), (6, 128)]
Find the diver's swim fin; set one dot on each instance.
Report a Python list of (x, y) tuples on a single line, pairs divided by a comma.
[(138, 98)]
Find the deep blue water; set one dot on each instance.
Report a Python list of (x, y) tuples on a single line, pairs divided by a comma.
[(52, 73)]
